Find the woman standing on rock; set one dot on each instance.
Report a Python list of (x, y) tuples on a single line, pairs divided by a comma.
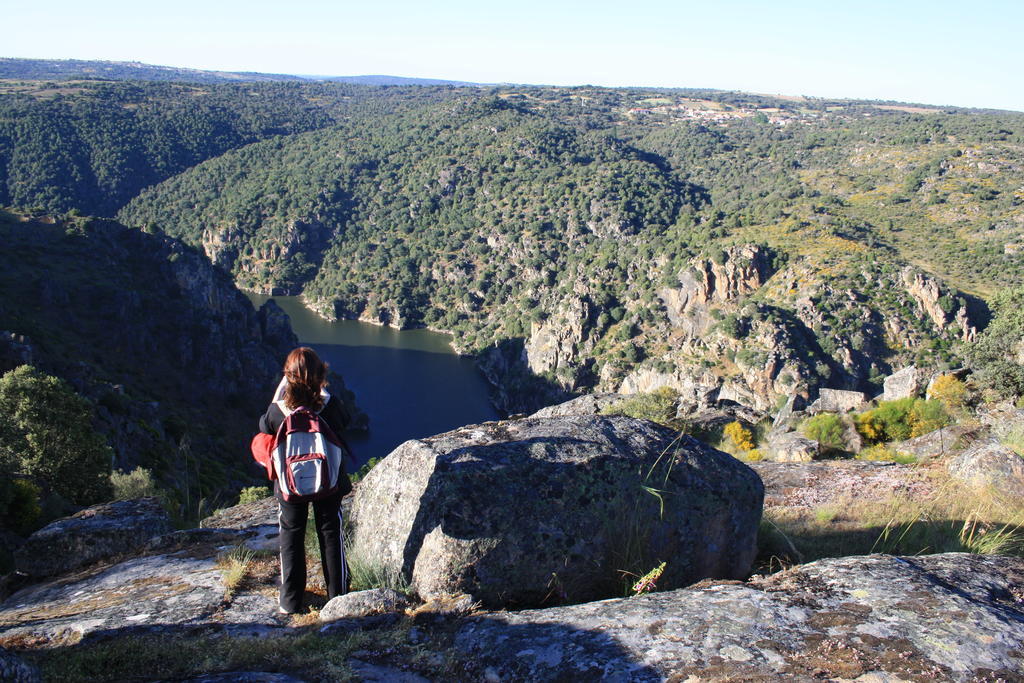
[(304, 387)]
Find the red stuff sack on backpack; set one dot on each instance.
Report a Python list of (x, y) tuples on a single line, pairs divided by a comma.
[(306, 457), (262, 447)]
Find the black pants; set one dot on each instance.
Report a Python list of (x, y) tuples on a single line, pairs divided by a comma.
[(291, 519)]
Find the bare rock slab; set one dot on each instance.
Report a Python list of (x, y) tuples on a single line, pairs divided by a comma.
[(551, 509), (946, 617), (837, 401), (905, 383), (95, 533), (805, 486), (144, 593)]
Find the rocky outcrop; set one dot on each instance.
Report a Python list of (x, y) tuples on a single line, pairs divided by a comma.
[(559, 342), (990, 464), (837, 401), (96, 533), (546, 510), (588, 404), (938, 304), (363, 604), (905, 383), (740, 270), (867, 618), (790, 447), (699, 389), (15, 350), (150, 318)]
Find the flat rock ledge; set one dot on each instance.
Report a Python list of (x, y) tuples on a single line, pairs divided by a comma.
[(952, 617), (142, 594), (808, 485), (91, 535)]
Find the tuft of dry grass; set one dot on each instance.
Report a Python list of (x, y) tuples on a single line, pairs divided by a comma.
[(234, 565), (952, 518)]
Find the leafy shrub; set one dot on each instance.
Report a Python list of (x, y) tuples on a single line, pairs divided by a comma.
[(901, 419), (994, 356), (46, 433), (1014, 439), (361, 473), (927, 416), (754, 455), (741, 437), (252, 494), (657, 406), (827, 429), (882, 453), (135, 484), (949, 391)]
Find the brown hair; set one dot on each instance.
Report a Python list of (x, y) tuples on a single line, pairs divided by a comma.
[(306, 375)]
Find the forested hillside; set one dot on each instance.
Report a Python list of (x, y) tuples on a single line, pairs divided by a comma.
[(727, 245), (91, 146), (617, 238)]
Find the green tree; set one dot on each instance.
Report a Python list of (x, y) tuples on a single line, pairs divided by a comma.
[(46, 433), (827, 429), (994, 356)]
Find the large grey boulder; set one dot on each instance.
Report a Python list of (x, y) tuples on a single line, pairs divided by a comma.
[(837, 401), (790, 447), (555, 510), (946, 617), (95, 533), (990, 464), (905, 383)]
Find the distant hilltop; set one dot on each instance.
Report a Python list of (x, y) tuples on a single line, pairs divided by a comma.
[(71, 69)]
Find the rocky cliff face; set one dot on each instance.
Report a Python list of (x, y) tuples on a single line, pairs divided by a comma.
[(278, 261), (162, 341)]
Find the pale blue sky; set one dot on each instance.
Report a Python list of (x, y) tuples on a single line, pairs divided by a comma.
[(938, 52)]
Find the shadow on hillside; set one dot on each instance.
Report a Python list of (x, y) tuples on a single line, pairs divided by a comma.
[(515, 388), (548, 652)]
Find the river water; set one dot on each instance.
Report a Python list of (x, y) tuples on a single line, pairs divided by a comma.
[(409, 382)]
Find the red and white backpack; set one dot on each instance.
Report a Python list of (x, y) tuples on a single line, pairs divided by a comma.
[(307, 457)]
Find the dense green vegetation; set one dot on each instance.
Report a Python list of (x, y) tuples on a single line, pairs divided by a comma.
[(91, 146), (508, 215), (489, 213), (46, 434)]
